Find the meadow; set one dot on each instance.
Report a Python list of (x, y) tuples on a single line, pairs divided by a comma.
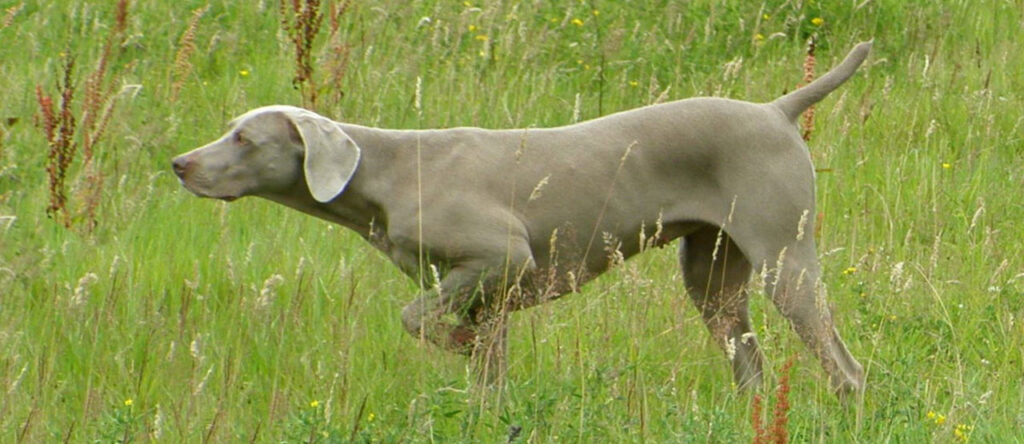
[(133, 311)]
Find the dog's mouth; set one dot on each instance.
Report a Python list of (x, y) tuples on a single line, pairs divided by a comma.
[(223, 197), (207, 195)]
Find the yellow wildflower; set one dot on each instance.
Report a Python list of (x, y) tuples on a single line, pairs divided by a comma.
[(314, 403), (766, 16), (850, 270), (472, 28), (244, 73), (128, 402), (597, 13), (577, 22), (634, 83), (481, 37), (961, 431), (817, 21), (946, 165), (759, 37)]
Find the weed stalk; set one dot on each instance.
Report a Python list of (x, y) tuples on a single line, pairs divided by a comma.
[(301, 20), (60, 127), (809, 62), (778, 432)]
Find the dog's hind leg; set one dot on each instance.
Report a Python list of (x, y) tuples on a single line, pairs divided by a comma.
[(792, 280), (717, 274)]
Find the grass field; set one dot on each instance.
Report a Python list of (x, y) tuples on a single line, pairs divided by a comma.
[(177, 319)]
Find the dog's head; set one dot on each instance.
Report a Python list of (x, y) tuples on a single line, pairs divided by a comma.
[(268, 150)]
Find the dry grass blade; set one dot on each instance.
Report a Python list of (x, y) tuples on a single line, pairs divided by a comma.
[(9, 14), (186, 47)]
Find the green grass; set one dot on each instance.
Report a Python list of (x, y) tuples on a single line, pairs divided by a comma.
[(921, 236)]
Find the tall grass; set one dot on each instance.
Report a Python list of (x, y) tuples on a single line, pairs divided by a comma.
[(182, 320)]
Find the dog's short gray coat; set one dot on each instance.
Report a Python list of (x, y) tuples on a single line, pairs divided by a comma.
[(511, 218)]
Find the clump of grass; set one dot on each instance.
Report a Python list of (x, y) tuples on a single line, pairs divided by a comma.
[(603, 365), (186, 47), (121, 424)]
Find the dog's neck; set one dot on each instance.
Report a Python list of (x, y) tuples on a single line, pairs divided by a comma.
[(349, 209)]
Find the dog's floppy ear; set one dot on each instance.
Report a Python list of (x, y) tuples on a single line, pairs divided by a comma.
[(331, 155)]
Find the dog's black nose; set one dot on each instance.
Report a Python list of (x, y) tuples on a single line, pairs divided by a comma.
[(179, 164)]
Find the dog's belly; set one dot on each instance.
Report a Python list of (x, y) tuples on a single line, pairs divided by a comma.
[(565, 263)]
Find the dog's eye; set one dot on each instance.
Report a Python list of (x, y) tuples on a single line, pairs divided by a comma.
[(240, 138)]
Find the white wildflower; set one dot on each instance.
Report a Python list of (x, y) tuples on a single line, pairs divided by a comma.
[(202, 384), (748, 337), (158, 423), (535, 194), (81, 294), (115, 265), (418, 98), (800, 225), (269, 290), (437, 279), (196, 347)]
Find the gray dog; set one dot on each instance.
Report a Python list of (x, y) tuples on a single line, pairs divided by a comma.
[(491, 221)]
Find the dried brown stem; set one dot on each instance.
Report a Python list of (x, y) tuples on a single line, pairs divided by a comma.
[(64, 131), (59, 128), (809, 63), (301, 19)]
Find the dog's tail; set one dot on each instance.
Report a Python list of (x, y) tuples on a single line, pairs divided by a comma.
[(794, 103)]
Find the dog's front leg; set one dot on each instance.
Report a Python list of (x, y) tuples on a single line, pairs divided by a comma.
[(463, 315), (444, 314), (467, 311)]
